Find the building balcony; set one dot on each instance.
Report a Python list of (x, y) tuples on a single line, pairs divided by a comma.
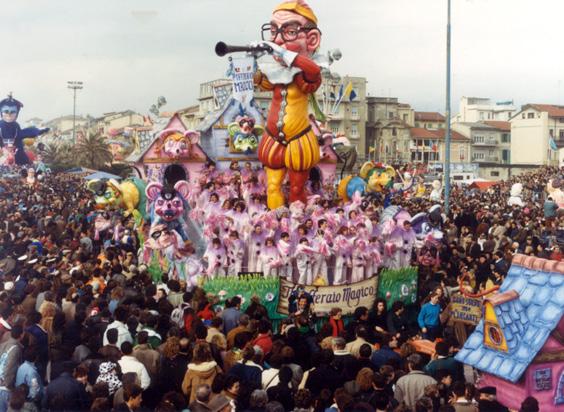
[(421, 149), (335, 117), (486, 142), (486, 159)]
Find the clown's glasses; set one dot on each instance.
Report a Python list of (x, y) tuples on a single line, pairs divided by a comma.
[(288, 31)]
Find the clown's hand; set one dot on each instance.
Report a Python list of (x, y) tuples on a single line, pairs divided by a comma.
[(287, 56), (256, 53), (41, 131)]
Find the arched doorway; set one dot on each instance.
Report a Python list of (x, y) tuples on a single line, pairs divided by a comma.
[(315, 174), (316, 179), (173, 173)]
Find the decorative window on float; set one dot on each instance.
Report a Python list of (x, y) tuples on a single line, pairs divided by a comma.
[(493, 335), (559, 395)]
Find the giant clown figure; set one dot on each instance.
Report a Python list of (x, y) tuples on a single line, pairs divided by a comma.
[(289, 144), (12, 133)]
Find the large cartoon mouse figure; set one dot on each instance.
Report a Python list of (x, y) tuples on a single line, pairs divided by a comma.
[(168, 205), (10, 131)]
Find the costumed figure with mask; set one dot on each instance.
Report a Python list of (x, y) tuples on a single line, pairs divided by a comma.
[(244, 134), (406, 185), (420, 189), (12, 134), (31, 179), (429, 235), (399, 237), (102, 223), (161, 247), (168, 205), (128, 195), (435, 195), (187, 266), (289, 145), (515, 195)]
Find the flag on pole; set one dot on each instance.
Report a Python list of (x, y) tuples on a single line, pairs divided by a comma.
[(338, 99), (552, 144), (344, 92), (348, 90)]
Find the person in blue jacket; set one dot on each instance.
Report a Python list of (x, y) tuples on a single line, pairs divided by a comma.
[(429, 318)]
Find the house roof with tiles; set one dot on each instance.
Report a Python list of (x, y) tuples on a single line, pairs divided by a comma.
[(528, 307)]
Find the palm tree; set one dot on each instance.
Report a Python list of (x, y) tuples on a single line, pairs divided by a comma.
[(57, 156), (92, 151), (50, 154)]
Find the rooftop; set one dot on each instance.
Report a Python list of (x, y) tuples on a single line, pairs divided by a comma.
[(528, 307), (420, 133), (429, 117), (500, 125), (377, 99), (553, 110)]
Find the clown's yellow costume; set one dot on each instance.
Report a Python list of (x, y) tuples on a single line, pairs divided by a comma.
[(288, 143)]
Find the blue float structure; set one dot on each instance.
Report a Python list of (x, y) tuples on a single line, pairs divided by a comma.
[(519, 344)]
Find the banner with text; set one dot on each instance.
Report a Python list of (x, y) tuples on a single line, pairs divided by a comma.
[(242, 71), (465, 309), (398, 284), (346, 297), (246, 285)]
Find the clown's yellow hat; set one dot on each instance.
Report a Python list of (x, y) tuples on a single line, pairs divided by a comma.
[(299, 7)]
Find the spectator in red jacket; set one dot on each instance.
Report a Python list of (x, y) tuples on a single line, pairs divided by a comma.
[(264, 338), (337, 325)]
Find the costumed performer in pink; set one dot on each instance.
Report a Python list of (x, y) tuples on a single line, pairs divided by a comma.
[(254, 245), (304, 255), (286, 252), (216, 257), (270, 258), (342, 251), (235, 253)]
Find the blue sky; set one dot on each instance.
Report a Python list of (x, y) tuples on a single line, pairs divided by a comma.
[(128, 52)]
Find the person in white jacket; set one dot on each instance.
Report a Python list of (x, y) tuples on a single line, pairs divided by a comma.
[(120, 315), (304, 261), (129, 363), (235, 253), (285, 249)]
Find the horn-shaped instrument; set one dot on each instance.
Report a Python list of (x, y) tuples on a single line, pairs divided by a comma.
[(221, 49)]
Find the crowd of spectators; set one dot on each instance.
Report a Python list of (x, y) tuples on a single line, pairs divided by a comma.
[(84, 327)]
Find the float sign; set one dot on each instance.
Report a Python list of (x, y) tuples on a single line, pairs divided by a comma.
[(346, 297), (242, 71), (466, 310)]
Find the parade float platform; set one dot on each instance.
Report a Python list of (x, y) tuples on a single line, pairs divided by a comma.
[(518, 346)]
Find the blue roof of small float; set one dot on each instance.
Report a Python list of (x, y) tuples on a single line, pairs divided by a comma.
[(528, 307)]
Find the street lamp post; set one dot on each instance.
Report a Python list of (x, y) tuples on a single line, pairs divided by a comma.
[(74, 86), (447, 135)]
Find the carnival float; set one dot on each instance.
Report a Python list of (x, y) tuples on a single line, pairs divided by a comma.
[(13, 138), (517, 343), (185, 232)]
